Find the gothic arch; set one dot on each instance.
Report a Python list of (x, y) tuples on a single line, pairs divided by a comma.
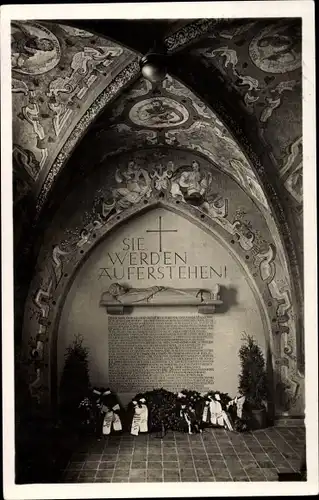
[(63, 261)]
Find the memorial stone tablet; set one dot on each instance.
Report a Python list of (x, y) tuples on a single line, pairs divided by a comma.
[(161, 351)]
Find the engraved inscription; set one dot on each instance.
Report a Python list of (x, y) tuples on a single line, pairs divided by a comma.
[(173, 352)]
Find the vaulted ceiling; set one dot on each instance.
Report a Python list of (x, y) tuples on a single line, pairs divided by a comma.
[(233, 94)]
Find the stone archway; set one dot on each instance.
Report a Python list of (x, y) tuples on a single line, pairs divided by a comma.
[(60, 264), (183, 266)]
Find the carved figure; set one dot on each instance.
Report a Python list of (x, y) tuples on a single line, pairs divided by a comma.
[(157, 295)]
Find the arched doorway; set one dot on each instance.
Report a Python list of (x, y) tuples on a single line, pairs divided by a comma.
[(171, 345)]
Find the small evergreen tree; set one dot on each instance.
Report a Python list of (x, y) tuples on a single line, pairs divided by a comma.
[(253, 378), (75, 381)]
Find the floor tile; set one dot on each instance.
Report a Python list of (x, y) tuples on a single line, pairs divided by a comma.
[(170, 476), (92, 457), (155, 465), (139, 465), (123, 461), (220, 472), (119, 471), (284, 467), (257, 476), (75, 466), (86, 474), (265, 464), (104, 473), (70, 476), (137, 473), (276, 450), (91, 465), (170, 456), (154, 473), (106, 465), (250, 467)]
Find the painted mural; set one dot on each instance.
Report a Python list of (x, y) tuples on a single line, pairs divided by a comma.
[(63, 77), (277, 49), (35, 50), (161, 112), (263, 65), (178, 118), (187, 183), (57, 72)]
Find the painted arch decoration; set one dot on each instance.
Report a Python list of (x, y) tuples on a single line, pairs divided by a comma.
[(186, 187)]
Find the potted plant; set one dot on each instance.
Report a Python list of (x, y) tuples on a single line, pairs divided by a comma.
[(253, 381), (75, 382)]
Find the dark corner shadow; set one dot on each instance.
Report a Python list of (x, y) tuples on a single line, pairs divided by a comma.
[(229, 297), (271, 386)]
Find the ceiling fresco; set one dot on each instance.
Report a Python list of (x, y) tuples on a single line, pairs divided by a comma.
[(80, 106), (64, 77), (262, 64), (172, 115), (58, 71)]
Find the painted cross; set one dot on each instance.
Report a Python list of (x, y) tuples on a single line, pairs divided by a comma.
[(160, 231)]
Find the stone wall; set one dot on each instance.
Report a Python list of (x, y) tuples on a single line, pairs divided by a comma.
[(220, 222)]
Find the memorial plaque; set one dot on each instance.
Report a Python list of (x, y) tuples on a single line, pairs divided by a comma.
[(173, 352)]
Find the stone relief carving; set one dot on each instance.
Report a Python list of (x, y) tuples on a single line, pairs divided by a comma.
[(276, 49), (119, 297), (160, 112), (34, 49)]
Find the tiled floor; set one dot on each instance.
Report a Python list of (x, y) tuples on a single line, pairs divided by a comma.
[(215, 455)]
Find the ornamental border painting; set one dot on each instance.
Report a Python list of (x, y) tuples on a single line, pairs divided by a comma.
[(159, 288)]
